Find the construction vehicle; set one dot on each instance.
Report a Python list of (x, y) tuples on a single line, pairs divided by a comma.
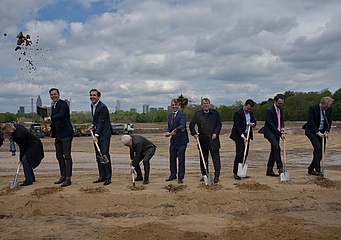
[(36, 130), (122, 128)]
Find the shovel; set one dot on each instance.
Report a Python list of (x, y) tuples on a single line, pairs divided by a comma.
[(133, 178), (15, 183), (322, 160), (102, 158), (208, 177), (242, 167), (284, 176)]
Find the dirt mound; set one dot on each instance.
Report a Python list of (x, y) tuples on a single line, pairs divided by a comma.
[(39, 192), (252, 186), (137, 188), (211, 188), (174, 188), (8, 191), (94, 190), (325, 182)]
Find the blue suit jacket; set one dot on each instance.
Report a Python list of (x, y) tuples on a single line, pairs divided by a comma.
[(181, 137), (239, 125), (271, 123), (101, 121), (60, 120), (314, 117)]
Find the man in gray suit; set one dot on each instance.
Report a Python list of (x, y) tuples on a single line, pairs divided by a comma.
[(102, 135), (140, 149)]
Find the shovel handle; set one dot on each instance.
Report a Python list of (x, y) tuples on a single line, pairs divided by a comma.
[(322, 160), (202, 155), (284, 152), (247, 143), (96, 143)]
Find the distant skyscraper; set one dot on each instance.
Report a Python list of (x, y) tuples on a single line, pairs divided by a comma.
[(145, 108), (21, 109), (39, 102), (31, 105), (118, 105)]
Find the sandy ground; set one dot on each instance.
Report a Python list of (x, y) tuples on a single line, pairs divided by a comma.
[(261, 207)]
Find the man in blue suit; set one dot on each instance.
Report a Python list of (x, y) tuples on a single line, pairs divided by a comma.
[(102, 135), (62, 131), (178, 142), (318, 127), (242, 119), (274, 131)]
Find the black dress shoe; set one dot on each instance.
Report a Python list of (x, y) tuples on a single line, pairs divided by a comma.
[(25, 183), (180, 181), (171, 178), (145, 181), (271, 174), (237, 177), (280, 170), (138, 178), (34, 179), (311, 172), (315, 173), (215, 180), (99, 180), (61, 180), (67, 182), (202, 179), (107, 181)]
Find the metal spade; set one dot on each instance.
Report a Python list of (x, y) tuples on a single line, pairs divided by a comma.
[(15, 183)]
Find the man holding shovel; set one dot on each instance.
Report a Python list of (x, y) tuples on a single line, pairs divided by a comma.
[(62, 131), (209, 125), (274, 131), (242, 119), (102, 134), (317, 128), (31, 149), (140, 149)]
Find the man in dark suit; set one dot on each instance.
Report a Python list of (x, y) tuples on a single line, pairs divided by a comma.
[(274, 131), (178, 142), (31, 149), (102, 135), (62, 131), (242, 118), (140, 148), (318, 127), (209, 125)]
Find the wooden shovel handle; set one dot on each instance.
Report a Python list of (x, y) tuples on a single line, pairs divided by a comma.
[(96, 144)]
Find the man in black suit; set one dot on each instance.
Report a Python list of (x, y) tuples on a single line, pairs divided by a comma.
[(178, 142), (209, 125), (274, 131), (62, 131), (102, 135), (31, 149), (318, 127), (242, 118), (140, 148)]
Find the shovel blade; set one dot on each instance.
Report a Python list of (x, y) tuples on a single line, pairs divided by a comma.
[(285, 176), (242, 169), (13, 185), (208, 180), (102, 159)]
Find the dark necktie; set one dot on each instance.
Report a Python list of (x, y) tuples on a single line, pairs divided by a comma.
[(325, 119), (173, 116)]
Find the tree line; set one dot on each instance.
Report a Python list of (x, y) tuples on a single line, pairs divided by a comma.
[(295, 109)]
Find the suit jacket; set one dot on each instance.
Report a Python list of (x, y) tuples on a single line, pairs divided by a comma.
[(208, 123), (271, 123), (29, 145), (179, 123), (101, 121), (239, 125), (60, 120), (139, 146), (314, 117), (1, 138)]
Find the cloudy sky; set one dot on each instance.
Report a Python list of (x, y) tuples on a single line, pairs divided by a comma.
[(149, 51)]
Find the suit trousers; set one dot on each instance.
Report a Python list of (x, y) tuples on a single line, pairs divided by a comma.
[(177, 152), (215, 154), (316, 141), (275, 154), (63, 154), (146, 156), (105, 170), (28, 170), (240, 148)]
